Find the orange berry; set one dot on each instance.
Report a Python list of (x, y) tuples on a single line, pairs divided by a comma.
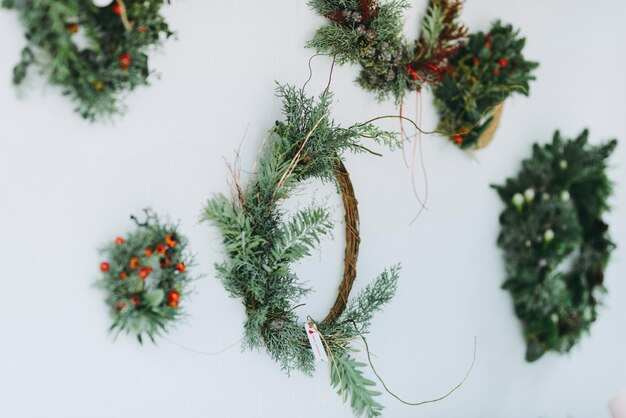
[(174, 296), (134, 263), (119, 240), (117, 9), (181, 267), (160, 249), (458, 139), (123, 275), (72, 28), (148, 252), (105, 267)]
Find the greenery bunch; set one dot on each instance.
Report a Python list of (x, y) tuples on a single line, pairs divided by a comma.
[(369, 33), (145, 276), (483, 74), (554, 220), (262, 243), (94, 54)]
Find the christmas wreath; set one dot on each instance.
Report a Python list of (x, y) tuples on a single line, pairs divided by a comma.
[(470, 97), (369, 33), (94, 52), (262, 246), (553, 219), (145, 276)]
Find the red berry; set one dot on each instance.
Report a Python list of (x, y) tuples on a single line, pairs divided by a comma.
[(117, 9), (105, 267), (476, 61), (143, 273), (502, 63), (119, 240), (123, 275), (181, 267), (125, 61), (135, 300), (496, 71), (458, 139), (488, 44), (174, 296)]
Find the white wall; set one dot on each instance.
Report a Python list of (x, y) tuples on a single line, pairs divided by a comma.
[(67, 186)]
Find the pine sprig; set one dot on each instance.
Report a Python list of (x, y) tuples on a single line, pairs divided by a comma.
[(554, 213)]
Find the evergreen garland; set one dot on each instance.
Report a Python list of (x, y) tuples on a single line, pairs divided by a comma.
[(113, 59), (554, 217), (483, 74), (369, 33), (262, 245), (145, 277)]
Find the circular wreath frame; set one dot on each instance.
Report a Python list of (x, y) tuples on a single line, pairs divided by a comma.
[(554, 217), (146, 276), (261, 247)]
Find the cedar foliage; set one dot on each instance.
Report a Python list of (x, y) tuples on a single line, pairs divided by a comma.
[(369, 33), (262, 243)]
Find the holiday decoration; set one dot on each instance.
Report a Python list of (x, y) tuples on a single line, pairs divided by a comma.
[(369, 33), (470, 96), (262, 246), (143, 292), (95, 51), (554, 216)]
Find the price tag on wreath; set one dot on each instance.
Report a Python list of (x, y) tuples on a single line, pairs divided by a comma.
[(316, 341)]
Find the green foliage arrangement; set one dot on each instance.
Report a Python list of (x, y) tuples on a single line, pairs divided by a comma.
[(483, 74), (554, 219), (145, 277), (95, 54), (262, 246), (369, 33)]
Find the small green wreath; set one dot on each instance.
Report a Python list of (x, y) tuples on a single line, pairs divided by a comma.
[(553, 217), (369, 33), (483, 74), (94, 54), (145, 276), (262, 246)]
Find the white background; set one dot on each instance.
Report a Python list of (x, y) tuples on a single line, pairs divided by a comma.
[(68, 186)]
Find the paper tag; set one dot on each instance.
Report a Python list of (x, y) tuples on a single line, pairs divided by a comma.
[(316, 342)]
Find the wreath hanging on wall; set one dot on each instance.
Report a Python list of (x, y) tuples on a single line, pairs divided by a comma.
[(95, 53), (470, 97), (555, 241), (262, 246), (146, 276), (369, 33)]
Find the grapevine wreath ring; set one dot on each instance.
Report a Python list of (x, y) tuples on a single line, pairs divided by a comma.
[(95, 50), (261, 247), (553, 219), (146, 276)]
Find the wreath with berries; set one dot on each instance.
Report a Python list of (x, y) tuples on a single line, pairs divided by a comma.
[(145, 276), (262, 246), (470, 97), (369, 33), (554, 220), (94, 51)]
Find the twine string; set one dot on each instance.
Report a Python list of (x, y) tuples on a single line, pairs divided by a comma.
[(128, 25)]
